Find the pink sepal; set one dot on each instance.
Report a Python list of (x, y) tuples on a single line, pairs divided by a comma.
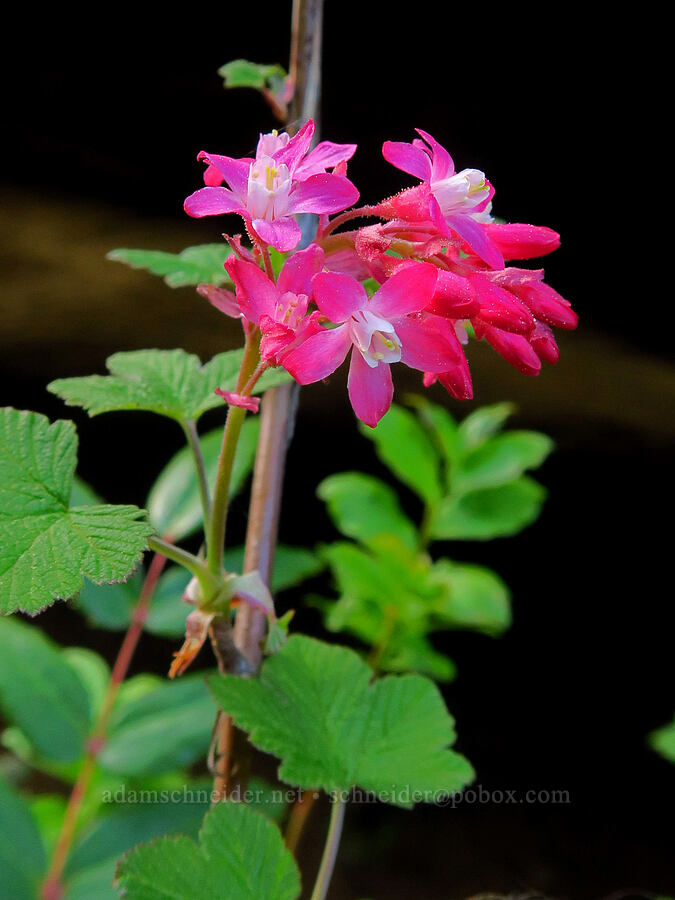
[(234, 399)]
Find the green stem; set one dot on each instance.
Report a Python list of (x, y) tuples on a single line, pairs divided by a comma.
[(188, 561), (337, 815), (215, 541), (190, 430)]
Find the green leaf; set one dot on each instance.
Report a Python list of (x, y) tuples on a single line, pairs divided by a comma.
[(403, 445), (22, 854), (386, 601), (315, 707), (157, 813), (167, 614), (501, 459), (292, 565), (219, 867), (47, 811), (40, 692), (362, 506), (490, 513), (174, 504), (160, 731), (444, 429), (243, 73), (170, 383), (45, 546), (663, 741), (483, 423), (93, 672), (194, 265), (414, 653), (110, 605), (470, 597)]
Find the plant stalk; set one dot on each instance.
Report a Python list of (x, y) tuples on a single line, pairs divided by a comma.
[(52, 888), (330, 850)]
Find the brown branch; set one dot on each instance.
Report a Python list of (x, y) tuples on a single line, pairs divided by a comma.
[(277, 414)]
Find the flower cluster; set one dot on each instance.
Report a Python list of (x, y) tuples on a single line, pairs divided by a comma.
[(410, 288)]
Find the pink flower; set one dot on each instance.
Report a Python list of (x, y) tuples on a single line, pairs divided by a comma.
[(390, 327), (279, 310), (285, 178), (457, 203)]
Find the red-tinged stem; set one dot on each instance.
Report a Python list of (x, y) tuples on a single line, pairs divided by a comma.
[(52, 888), (297, 819), (361, 213)]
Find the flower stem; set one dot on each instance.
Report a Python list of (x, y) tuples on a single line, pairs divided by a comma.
[(235, 419), (360, 213), (337, 815), (52, 888), (188, 561)]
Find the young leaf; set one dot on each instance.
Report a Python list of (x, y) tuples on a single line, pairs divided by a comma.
[(470, 597), (240, 856), (444, 429), (46, 547), (404, 446), (484, 422), (174, 505), (243, 73), (501, 459), (194, 265), (40, 692), (414, 653), (490, 513), (22, 855), (171, 383), (315, 707), (165, 729), (362, 507)]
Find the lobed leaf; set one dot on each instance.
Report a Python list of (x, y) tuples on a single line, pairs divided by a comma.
[(315, 707), (192, 266), (46, 547), (218, 867)]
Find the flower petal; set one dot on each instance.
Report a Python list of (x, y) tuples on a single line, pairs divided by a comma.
[(519, 241), (299, 269), (211, 201), (501, 308), (454, 296), (322, 194), (296, 149), (234, 171), (457, 381), (243, 402), (477, 238), (428, 343), (338, 295), (256, 294), (371, 390), (408, 158), (319, 355), (441, 162), (326, 155), (409, 290), (282, 234), (515, 349)]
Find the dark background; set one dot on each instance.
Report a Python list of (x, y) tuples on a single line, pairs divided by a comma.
[(106, 117)]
